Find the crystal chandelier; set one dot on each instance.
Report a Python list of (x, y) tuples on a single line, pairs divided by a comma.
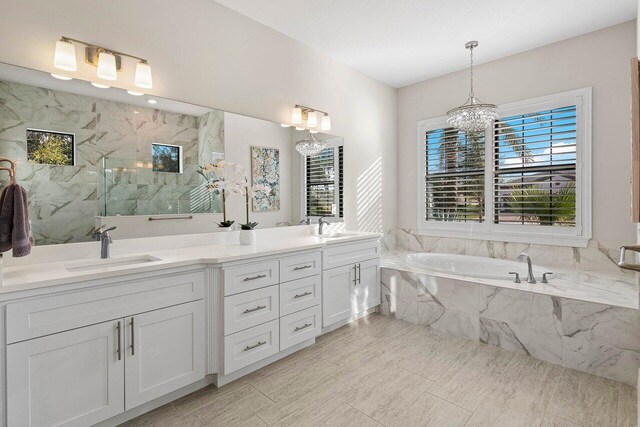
[(473, 116), (310, 146)]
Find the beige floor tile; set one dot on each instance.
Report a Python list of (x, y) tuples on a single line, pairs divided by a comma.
[(197, 399), (428, 411), (233, 409), (627, 406), (342, 416), (165, 415), (294, 375), (470, 379), (491, 416), (357, 369), (395, 388), (526, 388), (550, 421), (585, 399)]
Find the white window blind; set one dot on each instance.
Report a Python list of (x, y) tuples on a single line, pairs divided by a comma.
[(535, 168), (454, 179), (324, 189)]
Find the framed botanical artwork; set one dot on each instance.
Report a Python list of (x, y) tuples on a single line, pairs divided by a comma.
[(635, 140), (265, 170)]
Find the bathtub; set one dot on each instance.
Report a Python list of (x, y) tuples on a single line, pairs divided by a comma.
[(473, 266)]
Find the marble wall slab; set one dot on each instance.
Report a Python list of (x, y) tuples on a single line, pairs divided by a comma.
[(63, 200), (590, 337)]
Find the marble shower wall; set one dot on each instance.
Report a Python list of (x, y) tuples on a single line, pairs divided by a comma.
[(597, 256), (590, 337), (64, 200)]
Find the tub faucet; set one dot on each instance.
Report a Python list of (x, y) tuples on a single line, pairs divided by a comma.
[(525, 257), (103, 236), (321, 223)]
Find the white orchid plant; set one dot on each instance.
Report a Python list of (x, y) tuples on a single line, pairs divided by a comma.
[(228, 178)]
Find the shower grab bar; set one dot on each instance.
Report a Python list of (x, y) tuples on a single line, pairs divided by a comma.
[(623, 254), (167, 218)]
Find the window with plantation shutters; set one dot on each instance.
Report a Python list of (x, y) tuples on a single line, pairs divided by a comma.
[(535, 168), (324, 188), (454, 180), (527, 178)]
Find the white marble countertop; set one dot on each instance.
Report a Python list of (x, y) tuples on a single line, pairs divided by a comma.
[(616, 289), (46, 274)]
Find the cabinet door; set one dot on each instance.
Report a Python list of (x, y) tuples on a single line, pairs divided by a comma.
[(366, 292), (165, 350), (337, 287), (73, 378)]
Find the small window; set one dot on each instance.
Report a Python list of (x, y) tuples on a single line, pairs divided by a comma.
[(324, 188), (166, 158), (50, 148)]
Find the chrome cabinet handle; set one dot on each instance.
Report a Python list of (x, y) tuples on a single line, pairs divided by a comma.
[(355, 275), (544, 276), (133, 341), (259, 276), (251, 347), (251, 310), (118, 349), (302, 295), (304, 267), (517, 278), (299, 328), (359, 275)]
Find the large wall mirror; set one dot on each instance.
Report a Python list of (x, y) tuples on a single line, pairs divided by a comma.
[(89, 156)]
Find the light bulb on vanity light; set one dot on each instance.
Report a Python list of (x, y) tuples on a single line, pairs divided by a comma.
[(100, 85), (312, 119), (325, 124), (59, 77), (143, 75), (134, 93), (107, 66), (299, 128), (284, 125), (65, 56), (296, 115)]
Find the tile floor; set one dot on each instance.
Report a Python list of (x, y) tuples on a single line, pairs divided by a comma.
[(383, 371)]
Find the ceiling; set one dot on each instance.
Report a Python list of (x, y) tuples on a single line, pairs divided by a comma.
[(401, 42)]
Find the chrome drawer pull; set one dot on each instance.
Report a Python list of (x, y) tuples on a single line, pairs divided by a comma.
[(251, 347), (304, 267), (118, 350), (251, 310), (259, 276), (299, 328), (302, 295)]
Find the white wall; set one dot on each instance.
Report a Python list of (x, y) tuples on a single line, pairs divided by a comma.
[(599, 59), (240, 133), (206, 54)]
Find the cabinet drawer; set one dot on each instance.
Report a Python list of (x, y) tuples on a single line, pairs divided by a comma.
[(297, 267), (300, 294), (251, 308), (251, 345), (49, 315), (250, 276), (338, 255), (298, 327)]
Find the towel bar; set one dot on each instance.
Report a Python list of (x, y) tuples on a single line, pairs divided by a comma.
[(166, 218)]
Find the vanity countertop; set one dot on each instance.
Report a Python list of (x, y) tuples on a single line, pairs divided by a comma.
[(45, 274)]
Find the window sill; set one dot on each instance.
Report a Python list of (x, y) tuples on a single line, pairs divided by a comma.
[(510, 237)]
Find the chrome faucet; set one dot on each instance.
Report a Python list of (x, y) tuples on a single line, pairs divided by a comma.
[(525, 257), (306, 221), (321, 223), (103, 236)]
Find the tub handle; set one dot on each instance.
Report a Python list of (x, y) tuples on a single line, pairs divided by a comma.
[(623, 263), (517, 278), (544, 276)]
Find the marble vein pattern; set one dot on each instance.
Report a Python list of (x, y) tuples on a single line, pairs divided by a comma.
[(112, 174), (590, 337), (473, 384)]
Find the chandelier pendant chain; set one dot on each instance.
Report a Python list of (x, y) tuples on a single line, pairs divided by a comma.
[(472, 95)]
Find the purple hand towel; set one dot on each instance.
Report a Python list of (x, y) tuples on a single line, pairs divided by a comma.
[(6, 217), (21, 234)]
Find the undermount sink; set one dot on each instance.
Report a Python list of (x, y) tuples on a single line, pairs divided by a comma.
[(96, 264)]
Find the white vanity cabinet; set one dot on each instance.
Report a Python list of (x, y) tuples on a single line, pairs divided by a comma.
[(350, 280), (99, 369)]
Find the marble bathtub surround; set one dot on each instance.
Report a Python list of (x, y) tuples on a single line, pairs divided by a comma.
[(63, 200), (600, 339), (597, 256)]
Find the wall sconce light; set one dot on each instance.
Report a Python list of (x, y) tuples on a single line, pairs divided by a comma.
[(107, 61), (300, 113)]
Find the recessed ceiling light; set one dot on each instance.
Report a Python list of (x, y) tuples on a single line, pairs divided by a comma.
[(134, 93), (100, 85), (59, 77), (152, 101)]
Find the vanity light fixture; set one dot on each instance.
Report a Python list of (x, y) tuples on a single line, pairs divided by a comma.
[(107, 61), (134, 93), (100, 85), (300, 113)]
